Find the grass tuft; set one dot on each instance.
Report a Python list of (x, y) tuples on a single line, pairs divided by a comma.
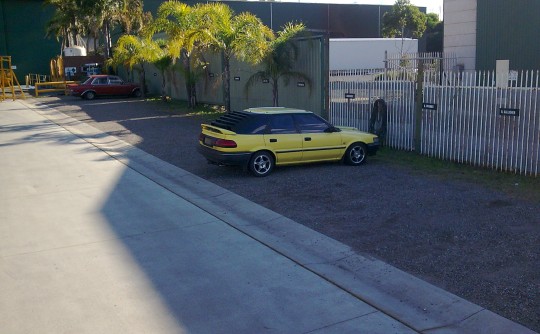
[(516, 185), (204, 111)]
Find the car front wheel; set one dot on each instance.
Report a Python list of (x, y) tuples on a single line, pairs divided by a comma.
[(356, 154), (261, 163)]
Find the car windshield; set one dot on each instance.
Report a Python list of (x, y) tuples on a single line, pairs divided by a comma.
[(87, 81)]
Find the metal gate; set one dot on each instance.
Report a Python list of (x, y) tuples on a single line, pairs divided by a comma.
[(352, 94)]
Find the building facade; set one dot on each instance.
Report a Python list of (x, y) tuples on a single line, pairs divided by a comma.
[(480, 32), (22, 36)]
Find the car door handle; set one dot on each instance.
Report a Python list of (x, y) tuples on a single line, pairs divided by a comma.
[(307, 138), (273, 140)]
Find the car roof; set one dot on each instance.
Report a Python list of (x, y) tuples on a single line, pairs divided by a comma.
[(276, 110)]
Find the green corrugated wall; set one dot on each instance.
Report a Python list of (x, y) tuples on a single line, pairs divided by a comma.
[(508, 30), (22, 31)]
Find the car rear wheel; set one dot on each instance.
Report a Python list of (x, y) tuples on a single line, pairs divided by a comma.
[(136, 93), (261, 163), (89, 95), (356, 154)]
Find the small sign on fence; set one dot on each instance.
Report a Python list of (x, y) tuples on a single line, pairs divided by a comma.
[(508, 112), (350, 95), (429, 106)]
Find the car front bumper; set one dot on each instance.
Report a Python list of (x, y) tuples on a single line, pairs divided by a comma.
[(74, 93), (373, 148), (224, 158)]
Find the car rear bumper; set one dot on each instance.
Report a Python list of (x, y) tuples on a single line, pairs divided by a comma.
[(224, 158), (372, 148)]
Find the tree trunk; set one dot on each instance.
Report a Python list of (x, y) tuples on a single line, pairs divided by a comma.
[(96, 36), (163, 84), (143, 81), (190, 86), (193, 100), (275, 92), (226, 84), (107, 36), (187, 79), (402, 41), (73, 37)]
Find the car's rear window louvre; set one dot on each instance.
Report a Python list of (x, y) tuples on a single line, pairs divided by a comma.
[(230, 119)]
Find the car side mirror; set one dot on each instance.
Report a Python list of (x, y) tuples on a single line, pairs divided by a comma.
[(331, 129)]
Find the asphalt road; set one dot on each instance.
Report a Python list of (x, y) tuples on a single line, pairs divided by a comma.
[(479, 244)]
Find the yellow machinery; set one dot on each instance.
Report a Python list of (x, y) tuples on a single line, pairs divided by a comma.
[(57, 81), (57, 69), (8, 80)]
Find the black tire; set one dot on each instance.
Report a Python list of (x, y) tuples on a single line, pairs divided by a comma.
[(261, 163), (356, 154), (136, 93), (378, 122), (89, 95)]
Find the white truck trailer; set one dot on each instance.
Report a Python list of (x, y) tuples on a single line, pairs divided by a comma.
[(367, 53)]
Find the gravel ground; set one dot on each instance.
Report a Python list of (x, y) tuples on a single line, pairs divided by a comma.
[(479, 244)]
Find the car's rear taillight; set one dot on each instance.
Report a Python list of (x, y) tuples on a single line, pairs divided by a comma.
[(225, 143), (201, 137)]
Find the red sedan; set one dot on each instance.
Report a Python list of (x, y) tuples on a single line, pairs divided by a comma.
[(104, 85)]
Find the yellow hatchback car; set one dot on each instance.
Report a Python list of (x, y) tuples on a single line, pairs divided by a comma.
[(260, 138)]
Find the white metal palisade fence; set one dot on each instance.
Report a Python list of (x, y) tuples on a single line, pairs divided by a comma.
[(352, 95), (468, 118), (478, 123)]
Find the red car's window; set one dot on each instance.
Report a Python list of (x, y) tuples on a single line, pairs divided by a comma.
[(100, 81), (115, 81)]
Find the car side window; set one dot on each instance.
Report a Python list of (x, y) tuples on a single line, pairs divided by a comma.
[(115, 81), (310, 123), (282, 124), (100, 81), (254, 125)]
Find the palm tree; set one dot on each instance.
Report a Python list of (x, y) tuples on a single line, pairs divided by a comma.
[(75, 17), (126, 14), (241, 36), (133, 52), (177, 21), (279, 61), (58, 27), (65, 22), (163, 63), (91, 24)]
